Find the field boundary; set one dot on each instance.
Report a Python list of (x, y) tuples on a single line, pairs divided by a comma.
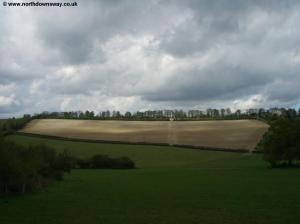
[(206, 148)]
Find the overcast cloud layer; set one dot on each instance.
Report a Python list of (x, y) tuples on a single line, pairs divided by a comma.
[(138, 55)]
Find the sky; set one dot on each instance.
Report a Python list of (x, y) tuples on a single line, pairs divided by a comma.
[(149, 54)]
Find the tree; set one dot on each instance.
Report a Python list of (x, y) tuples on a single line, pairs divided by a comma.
[(24, 168), (222, 112), (281, 144), (238, 113), (89, 114)]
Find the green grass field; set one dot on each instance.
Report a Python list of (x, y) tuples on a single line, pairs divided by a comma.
[(171, 185)]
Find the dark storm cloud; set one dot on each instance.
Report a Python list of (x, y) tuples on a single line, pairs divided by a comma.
[(147, 54), (74, 32)]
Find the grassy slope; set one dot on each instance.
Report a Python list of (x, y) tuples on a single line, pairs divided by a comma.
[(171, 186)]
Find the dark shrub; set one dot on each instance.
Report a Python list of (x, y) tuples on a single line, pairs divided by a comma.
[(101, 161), (22, 169), (65, 161), (124, 163), (83, 164), (105, 162), (281, 144)]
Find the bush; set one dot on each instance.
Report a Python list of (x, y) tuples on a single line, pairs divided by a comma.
[(65, 161), (83, 164), (105, 162), (101, 161), (22, 169), (124, 163), (281, 144)]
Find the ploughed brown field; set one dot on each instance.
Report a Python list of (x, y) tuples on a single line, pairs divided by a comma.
[(232, 134)]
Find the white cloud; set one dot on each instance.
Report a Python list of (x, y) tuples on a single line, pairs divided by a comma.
[(254, 101), (6, 101)]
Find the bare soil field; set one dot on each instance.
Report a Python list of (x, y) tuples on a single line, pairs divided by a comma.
[(233, 134)]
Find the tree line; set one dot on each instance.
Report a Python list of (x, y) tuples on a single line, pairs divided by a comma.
[(209, 114)]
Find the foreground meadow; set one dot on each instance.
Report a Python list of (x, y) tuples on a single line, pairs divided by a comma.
[(171, 185), (233, 134)]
